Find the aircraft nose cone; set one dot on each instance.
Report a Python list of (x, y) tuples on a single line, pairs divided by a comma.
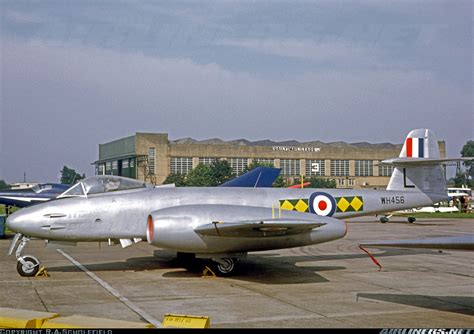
[(23, 221), (15, 221)]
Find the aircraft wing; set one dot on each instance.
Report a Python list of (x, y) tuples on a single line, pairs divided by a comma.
[(258, 228), (259, 177), (462, 242), (422, 161), (22, 199)]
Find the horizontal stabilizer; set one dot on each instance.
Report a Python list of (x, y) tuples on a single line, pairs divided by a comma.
[(260, 228), (464, 242), (422, 161)]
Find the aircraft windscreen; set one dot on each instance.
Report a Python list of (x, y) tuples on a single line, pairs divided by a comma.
[(107, 183), (74, 191), (102, 184)]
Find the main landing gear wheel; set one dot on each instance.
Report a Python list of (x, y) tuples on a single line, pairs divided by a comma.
[(27, 266), (224, 267)]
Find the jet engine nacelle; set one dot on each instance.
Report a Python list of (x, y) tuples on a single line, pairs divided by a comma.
[(198, 228)]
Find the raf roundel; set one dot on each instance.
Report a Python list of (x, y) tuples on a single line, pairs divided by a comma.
[(322, 204)]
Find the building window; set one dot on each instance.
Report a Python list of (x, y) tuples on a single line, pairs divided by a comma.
[(151, 160), (115, 167), (206, 160), (339, 167), (108, 168), (238, 164), (364, 168), (290, 166), (264, 161), (181, 165), (101, 169), (131, 168), (125, 163), (385, 170), (315, 167)]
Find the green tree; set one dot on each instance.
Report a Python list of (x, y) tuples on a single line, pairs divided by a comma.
[(221, 171), (460, 180), (201, 176), (468, 151), (4, 185), (317, 182), (177, 178), (280, 182), (70, 176)]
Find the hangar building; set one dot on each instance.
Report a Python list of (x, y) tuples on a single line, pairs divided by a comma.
[(152, 156)]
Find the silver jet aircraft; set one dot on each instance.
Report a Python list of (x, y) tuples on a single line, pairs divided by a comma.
[(219, 223)]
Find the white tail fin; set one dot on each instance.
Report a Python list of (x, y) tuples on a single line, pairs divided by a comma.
[(420, 143), (419, 167)]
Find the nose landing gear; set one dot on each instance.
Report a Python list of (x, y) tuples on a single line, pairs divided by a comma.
[(28, 265)]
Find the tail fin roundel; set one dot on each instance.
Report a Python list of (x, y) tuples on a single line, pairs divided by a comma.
[(419, 167), (420, 143)]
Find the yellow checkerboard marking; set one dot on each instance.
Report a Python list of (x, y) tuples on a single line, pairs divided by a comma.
[(356, 203), (286, 205), (343, 204), (300, 205), (350, 204)]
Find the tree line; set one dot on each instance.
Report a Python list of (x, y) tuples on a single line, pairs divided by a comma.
[(465, 176), (220, 171)]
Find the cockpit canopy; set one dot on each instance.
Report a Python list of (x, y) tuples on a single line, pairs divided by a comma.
[(101, 184)]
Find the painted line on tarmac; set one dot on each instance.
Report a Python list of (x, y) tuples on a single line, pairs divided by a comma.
[(112, 291), (454, 232)]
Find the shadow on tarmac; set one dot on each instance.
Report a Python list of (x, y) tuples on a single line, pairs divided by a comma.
[(268, 268), (456, 304)]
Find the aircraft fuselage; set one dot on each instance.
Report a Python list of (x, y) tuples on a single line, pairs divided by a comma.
[(124, 214)]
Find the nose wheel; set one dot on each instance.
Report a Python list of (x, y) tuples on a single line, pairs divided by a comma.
[(28, 265)]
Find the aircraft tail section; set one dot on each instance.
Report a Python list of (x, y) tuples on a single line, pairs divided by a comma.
[(420, 143), (419, 167)]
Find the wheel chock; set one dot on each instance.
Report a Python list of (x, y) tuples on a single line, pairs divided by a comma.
[(42, 272), (208, 273)]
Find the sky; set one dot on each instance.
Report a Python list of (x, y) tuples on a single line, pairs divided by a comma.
[(78, 73)]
